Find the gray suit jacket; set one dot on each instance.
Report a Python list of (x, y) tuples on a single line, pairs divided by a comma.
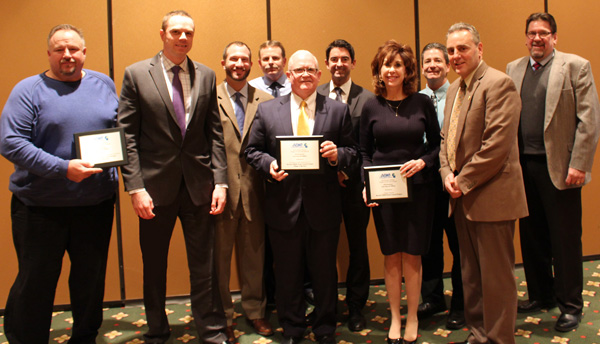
[(159, 158), (356, 100), (245, 184), (572, 116)]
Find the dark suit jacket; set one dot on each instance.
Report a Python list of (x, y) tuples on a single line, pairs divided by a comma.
[(245, 184), (319, 194), (159, 158), (487, 152), (356, 100), (572, 115)]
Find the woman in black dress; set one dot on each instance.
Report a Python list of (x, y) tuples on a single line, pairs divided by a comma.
[(400, 126)]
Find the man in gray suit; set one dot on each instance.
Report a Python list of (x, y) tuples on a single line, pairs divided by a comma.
[(557, 140), (242, 221), (340, 62), (177, 168)]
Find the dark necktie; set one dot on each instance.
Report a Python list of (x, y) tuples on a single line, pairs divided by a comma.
[(338, 94), (178, 103), (275, 89), (240, 114), (434, 100), (536, 66)]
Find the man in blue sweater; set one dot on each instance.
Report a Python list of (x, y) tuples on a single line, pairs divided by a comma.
[(59, 203)]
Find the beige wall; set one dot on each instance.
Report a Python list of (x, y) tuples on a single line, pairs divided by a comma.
[(309, 24)]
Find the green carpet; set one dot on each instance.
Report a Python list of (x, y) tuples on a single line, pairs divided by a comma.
[(127, 324)]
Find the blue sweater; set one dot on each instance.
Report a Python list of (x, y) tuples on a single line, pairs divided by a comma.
[(36, 135)]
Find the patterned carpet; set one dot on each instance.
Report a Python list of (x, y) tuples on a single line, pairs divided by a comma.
[(127, 324)]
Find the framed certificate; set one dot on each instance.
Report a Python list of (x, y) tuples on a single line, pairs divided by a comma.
[(103, 148), (300, 154), (386, 184)]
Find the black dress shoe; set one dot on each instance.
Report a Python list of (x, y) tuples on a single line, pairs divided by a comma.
[(534, 306), (327, 339), (567, 322), (291, 340), (356, 321), (456, 320), (427, 309)]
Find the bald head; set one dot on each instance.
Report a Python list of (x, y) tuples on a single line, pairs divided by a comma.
[(303, 73)]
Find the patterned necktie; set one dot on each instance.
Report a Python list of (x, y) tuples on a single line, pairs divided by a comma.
[(275, 89), (451, 140), (303, 128), (434, 100), (536, 66), (240, 114), (178, 103), (338, 94)]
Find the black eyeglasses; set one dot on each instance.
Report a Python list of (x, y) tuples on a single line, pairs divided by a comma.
[(542, 34)]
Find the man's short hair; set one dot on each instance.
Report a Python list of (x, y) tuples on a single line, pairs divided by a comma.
[(66, 27), (467, 27), (547, 17), (272, 44), (168, 16), (239, 44), (340, 43), (438, 46)]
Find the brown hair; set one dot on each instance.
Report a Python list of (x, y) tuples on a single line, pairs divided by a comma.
[(389, 50)]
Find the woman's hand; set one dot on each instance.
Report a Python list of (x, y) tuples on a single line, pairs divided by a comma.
[(411, 167)]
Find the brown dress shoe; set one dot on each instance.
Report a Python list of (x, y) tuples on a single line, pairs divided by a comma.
[(262, 327), (230, 334)]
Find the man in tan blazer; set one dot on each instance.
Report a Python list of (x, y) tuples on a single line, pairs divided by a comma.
[(242, 221), (557, 140), (479, 162)]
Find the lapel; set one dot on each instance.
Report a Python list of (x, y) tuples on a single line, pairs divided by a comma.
[(320, 114), (251, 107), (283, 111), (555, 86), (352, 97), (519, 73), (158, 76), (195, 89), (225, 104), (466, 104)]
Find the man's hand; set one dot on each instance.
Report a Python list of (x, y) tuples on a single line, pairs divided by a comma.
[(575, 177), (451, 187), (143, 205), (329, 151), (275, 173), (219, 197), (370, 205), (78, 170)]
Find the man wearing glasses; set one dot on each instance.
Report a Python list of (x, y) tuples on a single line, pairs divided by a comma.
[(303, 210), (557, 140)]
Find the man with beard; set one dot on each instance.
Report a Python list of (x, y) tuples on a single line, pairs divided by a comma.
[(242, 221), (557, 141), (271, 59), (435, 67), (340, 62)]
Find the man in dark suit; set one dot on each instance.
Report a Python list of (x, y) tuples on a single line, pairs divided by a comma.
[(168, 108), (557, 140), (242, 221), (479, 161), (340, 61), (303, 211)]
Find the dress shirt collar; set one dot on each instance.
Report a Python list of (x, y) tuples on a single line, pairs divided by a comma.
[(469, 77), (311, 103), (243, 91), (282, 80), (440, 93), (544, 62), (345, 90), (168, 64)]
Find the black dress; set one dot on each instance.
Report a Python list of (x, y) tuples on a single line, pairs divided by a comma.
[(387, 137)]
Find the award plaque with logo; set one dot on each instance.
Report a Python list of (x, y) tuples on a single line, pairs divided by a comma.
[(387, 184), (103, 148), (300, 154)]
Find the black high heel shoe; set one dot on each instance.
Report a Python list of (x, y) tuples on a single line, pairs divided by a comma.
[(395, 341), (413, 342)]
